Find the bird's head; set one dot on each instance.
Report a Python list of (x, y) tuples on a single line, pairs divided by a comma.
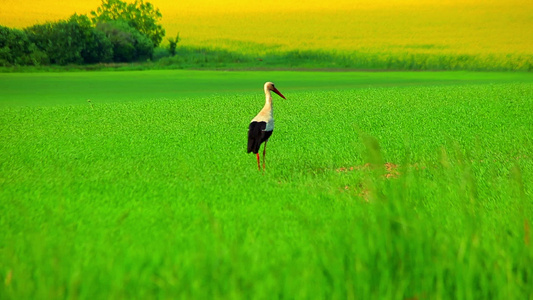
[(269, 86)]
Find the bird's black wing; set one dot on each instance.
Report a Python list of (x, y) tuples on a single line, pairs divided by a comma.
[(255, 136)]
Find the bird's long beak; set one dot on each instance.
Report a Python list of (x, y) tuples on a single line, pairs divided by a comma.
[(275, 90)]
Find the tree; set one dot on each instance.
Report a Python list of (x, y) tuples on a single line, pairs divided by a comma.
[(96, 46), (173, 42), (72, 41), (128, 44), (17, 49), (142, 16), (58, 41)]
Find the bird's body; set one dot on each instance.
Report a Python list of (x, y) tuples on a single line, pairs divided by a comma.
[(257, 134), (262, 126)]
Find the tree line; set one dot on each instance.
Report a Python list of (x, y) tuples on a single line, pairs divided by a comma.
[(115, 32)]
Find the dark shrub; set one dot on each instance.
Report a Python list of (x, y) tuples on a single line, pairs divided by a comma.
[(73, 41), (17, 49), (128, 44)]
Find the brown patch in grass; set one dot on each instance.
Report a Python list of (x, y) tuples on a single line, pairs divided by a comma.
[(391, 170), (9, 277), (346, 169), (361, 191)]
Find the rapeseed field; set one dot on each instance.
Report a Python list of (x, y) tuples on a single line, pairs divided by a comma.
[(402, 34)]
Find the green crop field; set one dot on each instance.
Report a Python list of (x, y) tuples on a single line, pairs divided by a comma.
[(385, 185)]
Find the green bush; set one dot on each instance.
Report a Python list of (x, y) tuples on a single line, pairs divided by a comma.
[(57, 40), (73, 41), (160, 53), (118, 32), (17, 49), (97, 47), (128, 44)]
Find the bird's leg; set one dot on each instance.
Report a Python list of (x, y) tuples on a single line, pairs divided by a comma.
[(258, 164), (264, 154)]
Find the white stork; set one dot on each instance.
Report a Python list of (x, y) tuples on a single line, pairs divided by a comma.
[(262, 125)]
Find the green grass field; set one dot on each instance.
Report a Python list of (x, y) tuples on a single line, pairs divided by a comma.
[(384, 185)]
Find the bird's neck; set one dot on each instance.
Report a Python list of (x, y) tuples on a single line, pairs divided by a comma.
[(266, 114), (268, 100)]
